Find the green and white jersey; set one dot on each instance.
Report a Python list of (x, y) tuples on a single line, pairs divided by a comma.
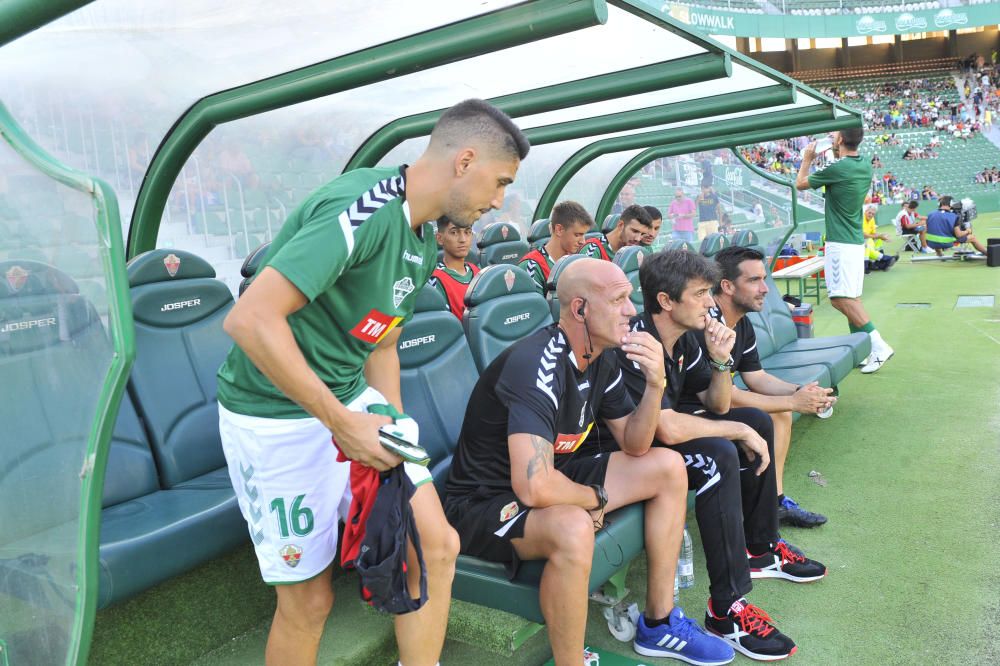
[(847, 182), (350, 250)]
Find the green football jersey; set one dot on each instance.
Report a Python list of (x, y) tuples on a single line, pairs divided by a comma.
[(598, 248), (847, 182), (350, 249)]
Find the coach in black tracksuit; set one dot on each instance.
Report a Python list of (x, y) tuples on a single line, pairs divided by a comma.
[(727, 452)]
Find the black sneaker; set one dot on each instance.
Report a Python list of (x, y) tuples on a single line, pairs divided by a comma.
[(748, 629), (785, 561), (790, 513)]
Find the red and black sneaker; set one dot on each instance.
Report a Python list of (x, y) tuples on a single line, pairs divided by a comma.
[(748, 629), (785, 561)]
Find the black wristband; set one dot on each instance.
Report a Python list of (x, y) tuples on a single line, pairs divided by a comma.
[(602, 496)]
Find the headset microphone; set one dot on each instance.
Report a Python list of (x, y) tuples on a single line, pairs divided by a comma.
[(580, 311)]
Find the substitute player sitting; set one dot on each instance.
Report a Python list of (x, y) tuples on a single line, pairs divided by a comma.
[(568, 224), (316, 346), (633, 224), (453, 273), (517, 492)]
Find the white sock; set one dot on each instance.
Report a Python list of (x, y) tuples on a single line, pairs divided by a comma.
[(877, 341)]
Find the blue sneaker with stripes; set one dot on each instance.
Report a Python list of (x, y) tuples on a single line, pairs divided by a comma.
[(681, 638)]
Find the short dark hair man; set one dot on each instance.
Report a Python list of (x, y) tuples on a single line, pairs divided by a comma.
[(633, 223), (907, 221), (316, 338), (847, 182), (569, 223), (518, 491), (453, 273), (944, 228), (742, 289), (727, 452), (656, 221), (708, 204)]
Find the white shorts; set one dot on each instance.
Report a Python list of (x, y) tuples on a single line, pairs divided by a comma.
[(844, 269), (291, 489)]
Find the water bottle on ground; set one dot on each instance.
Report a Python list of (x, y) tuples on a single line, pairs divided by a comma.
[(685, 565)]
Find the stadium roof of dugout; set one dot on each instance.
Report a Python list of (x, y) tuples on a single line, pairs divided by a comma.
[(594, 83)]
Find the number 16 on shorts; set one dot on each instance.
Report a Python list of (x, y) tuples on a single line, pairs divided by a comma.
[(294, 519)]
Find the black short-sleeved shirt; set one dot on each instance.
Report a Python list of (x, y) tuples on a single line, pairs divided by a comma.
[(688, 369), (533, 387), (745, 357)]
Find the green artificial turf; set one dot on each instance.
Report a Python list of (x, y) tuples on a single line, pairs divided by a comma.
[(911, 460)]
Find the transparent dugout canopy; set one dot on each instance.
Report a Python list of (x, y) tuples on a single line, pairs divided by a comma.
[(102, 87)]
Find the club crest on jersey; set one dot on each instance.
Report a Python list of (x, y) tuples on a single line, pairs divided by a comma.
[(16, 278), (374, 326), (291, 554), (401, 289), (508, 512), (508, 278), (172, 263)]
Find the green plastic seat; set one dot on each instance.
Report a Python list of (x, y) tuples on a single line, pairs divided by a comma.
[(500, 243), (680, 245), (552, 283), (539, 233), (712, 244), (252, 264), (629, 259), (610, 222), (502, 306)]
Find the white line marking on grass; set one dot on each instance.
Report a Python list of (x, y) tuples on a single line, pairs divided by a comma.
[(983, 332)]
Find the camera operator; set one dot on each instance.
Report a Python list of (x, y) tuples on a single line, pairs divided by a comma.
[(945, 226)]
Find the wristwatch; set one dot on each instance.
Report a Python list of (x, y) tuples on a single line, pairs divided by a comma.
[(602, 496), (721, 367)]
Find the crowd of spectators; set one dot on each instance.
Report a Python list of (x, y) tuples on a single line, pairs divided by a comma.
[(988, 177)]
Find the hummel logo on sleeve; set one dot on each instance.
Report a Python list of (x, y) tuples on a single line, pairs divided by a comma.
[(546, 368)]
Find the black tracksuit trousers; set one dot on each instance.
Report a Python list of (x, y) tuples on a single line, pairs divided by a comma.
[(734, 507)]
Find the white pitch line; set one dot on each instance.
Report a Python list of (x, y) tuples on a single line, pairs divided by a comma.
[(983, 332)]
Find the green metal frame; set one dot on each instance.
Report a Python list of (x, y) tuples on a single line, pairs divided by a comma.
[(682, 71), (122, 333), (19, 17), (775, 178), (663, 114), (500, 29), (689, 134), (713, 142)]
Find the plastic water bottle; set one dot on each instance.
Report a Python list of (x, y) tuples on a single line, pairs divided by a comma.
[(677, 587), (685, 566)]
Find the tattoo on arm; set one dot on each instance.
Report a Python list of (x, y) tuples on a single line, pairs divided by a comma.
[(542, 460)]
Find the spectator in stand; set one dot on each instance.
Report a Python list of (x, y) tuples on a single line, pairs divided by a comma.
[(625, 199), (908, 222), (725, 224), (927, 194), (876, 162), (681, 214), (708, 205)]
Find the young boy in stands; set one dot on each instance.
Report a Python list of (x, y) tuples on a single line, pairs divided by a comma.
[(633, 224), (742, 289), (569, 224), (453, 273), (727, 451), (518, 491)]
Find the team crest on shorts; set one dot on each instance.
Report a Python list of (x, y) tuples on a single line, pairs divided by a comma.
[(401, 289), (291, 554), (508, 512)]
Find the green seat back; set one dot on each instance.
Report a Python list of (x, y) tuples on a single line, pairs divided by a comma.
[(680, 245), (745, 238), (252, 264), (712, 243), (540, 232), (629, 259), (502, 306), (551, 294), (54, 354), (610, 222), (437, 375), (178, 307), (131, 470), (500, 243)]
